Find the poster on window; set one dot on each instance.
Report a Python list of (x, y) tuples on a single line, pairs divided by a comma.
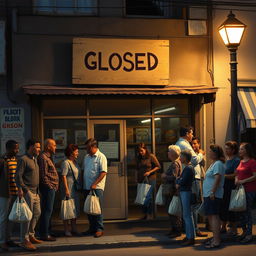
[(80, 138), (143, 135), (60, 136)]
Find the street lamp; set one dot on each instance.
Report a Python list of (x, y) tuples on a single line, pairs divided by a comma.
[(231, 32)]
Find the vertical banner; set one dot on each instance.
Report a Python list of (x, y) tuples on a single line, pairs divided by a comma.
[(12, 127)]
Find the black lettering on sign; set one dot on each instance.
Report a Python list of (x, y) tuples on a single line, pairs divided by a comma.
[(110, 61), (152, 66), (93, 64), (129, 61), (100, 63), (137, 61)]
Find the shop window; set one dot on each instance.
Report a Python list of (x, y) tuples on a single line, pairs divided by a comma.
[(64, 107), (64, 132), (66, 7), (137, 130), (170, 106), (120, 106), (154, 8), (167, 133)]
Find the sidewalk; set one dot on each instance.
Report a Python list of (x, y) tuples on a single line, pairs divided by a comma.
[(117, 235)]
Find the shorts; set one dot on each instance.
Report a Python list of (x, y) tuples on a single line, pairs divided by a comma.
[(212, 207)]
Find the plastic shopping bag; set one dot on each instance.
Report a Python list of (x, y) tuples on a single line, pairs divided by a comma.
[(92, 204), (142, 191), (175, 207), (238, 200), (20, 211), (201, 210), (159, 196), (68, 209)]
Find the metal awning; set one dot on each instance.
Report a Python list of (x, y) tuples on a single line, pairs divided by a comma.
[(167, 90), (247, 98)]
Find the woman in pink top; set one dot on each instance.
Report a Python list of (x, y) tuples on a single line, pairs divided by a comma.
[(246, 175)]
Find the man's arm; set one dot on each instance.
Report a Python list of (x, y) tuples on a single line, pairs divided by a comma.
[(103, 172), (43, 170), (98, 180), (19, 177)]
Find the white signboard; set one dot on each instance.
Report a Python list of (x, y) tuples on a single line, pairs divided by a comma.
[(109, 149), (2, 47), (12, 127), (120, 61)]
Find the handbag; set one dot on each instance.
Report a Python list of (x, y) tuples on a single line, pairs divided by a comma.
[(175, 207), (92, 204), (68, 209), (143, 189), (20, 211), (238, 200), (159, 196)]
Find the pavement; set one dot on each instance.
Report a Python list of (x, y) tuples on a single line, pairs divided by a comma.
[(123, 234)]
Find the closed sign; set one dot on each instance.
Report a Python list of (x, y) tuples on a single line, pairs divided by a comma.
[(120, 61)]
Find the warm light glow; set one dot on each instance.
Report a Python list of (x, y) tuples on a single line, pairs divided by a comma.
[(231, 31), (149, 120), (164, 110)]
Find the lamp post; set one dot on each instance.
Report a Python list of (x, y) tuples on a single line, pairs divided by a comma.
[(231, 32)]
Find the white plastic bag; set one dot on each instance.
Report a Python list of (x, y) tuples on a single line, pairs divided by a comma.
[(20, 211), (201, 210), (92, 204), (175, 207), (159, 196), (68, 209), (142, 192), (238, 200)]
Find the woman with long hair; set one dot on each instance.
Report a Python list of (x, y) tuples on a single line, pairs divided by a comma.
[(147, 166), (246, 176), (213, 193)]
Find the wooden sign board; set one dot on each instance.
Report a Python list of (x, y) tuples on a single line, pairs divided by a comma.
[(120, 61)]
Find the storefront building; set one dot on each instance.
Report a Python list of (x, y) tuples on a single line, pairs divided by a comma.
[(121, 79)]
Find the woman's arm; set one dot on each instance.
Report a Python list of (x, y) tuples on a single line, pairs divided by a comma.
[(215, 185), (250, 179), (65, 182), (230, 176)]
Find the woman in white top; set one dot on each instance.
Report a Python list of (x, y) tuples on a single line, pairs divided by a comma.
[(213, 192)]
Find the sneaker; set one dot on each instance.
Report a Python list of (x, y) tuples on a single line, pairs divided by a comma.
[(27, 245), (98, 234), (188, 242)]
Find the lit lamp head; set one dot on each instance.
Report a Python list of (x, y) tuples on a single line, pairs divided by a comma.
[(231, 31)]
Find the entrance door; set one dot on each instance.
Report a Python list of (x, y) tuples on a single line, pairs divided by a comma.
[(110, 135)]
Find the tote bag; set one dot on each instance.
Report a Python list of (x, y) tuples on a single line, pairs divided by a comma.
[(20, 211), (92, 204), (175, 207), (159, 196), (142, 191), (238, 200), (68, 209)]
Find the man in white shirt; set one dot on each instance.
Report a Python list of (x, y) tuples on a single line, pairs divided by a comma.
[(186, 136), (94, 178)]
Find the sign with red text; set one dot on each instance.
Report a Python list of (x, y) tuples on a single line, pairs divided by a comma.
[(120, 61), (12, 127)]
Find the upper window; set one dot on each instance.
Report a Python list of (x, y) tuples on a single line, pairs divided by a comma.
[(155, 8), (66, 7)]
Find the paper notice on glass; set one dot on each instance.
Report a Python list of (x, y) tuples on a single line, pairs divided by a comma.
[(109, 149), (60, 136)]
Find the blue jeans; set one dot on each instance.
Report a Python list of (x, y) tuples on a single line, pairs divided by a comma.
[(185, 197), (197, 204), (96, 221), (246, 217), (47, 203), (149, 201)]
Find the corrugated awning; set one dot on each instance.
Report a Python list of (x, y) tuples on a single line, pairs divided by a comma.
[(247, 98), (167, 90)]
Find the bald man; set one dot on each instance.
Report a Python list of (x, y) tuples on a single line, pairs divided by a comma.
[(49, 183)]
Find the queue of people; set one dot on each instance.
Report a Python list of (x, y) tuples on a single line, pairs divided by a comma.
[(35, 178)]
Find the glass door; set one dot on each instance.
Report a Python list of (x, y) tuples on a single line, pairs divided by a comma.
[(110, 135)]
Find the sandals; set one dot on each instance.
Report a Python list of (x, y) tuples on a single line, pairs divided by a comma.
[(246, 240), (212, 245)]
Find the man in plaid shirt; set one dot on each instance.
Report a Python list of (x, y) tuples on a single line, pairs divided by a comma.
[(49, 183)]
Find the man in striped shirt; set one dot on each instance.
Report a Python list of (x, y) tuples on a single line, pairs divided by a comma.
[(8, 192)]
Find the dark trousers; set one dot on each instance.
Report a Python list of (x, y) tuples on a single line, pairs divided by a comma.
[(96, 221), (47, 203)]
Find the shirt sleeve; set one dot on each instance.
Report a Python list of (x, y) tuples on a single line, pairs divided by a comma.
[(103, 164), (155, 162), (19, 175), (43, 170), (253, 166), (196, 158), (64, 168), (218, 168)]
